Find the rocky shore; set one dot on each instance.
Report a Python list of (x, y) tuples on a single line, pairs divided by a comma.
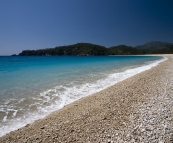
[(138, 109)]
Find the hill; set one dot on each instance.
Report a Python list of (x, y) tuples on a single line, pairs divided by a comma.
[(166, 49), (83, 49), (75, 49), (123, 50), (153, 45)]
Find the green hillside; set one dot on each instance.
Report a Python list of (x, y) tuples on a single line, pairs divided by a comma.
[(123, 50), (85, 49)]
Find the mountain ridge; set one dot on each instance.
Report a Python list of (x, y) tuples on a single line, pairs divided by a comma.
[(86, 49), (153, 45)]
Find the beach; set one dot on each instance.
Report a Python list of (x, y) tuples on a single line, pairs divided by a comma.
[(137, 109)]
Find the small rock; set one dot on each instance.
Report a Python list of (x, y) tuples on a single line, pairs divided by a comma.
[(42, 128), (149, 128)]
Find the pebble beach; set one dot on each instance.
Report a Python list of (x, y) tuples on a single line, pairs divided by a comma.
[(138, 109)]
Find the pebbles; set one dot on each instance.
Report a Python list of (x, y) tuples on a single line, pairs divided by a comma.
[(138, 109), (157, 111)]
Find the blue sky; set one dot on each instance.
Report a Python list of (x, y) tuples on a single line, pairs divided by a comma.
[(37, 24)]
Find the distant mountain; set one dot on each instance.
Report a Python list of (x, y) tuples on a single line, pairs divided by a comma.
[(86, 49), (166, 49), (83, 49), (123, 50), (153, 45), (75, 49), (156, 47)]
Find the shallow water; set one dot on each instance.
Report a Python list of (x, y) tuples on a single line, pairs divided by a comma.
[(32, 87)]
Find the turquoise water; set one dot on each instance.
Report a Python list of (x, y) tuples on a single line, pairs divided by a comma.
[(32, 87)]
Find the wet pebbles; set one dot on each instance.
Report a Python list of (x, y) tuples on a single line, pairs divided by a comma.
[(138, 109)]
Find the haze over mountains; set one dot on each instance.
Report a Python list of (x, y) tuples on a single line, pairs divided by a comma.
[(156, 47), (153, 47)]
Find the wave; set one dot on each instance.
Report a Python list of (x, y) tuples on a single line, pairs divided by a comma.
[(57, 97)]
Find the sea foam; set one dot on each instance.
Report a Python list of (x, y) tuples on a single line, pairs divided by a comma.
[(55, 98)]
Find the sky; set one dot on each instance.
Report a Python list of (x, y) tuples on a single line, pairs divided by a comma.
[(38, 24)]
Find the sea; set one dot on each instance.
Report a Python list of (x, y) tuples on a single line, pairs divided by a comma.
[(32, 87)]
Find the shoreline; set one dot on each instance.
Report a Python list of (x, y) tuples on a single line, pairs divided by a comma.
[(100, 119), (92, 88)]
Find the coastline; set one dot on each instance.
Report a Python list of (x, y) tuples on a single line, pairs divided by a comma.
[(109, 115)]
